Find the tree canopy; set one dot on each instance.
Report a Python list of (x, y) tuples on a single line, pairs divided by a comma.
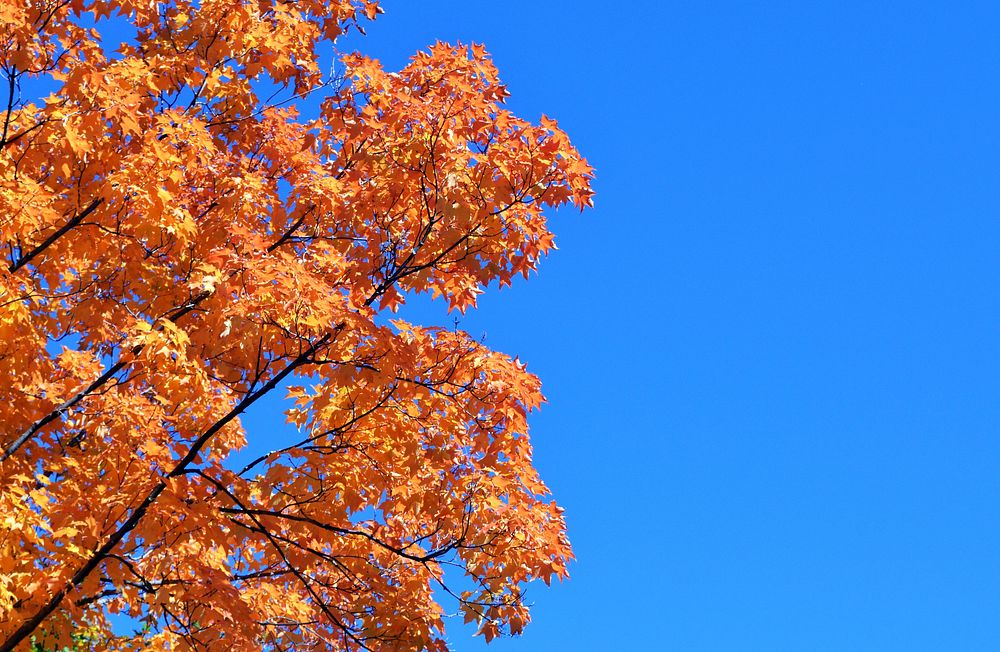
[(181, 240)]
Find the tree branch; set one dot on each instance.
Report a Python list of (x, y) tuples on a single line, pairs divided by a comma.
[(30, 624), (60, 232)]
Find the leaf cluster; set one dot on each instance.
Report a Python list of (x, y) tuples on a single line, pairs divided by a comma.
[(178, 246)]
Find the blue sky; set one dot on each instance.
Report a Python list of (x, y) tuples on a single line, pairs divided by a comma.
[(771, 351)]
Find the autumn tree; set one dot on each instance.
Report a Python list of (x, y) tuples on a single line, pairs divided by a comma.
[(180, 241)]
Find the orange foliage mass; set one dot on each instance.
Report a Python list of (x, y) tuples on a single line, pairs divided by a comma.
[(176, 246)]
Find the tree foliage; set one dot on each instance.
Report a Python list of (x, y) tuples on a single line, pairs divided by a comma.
[(179, 242)]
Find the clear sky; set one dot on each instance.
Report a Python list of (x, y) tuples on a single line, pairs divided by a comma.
[(771, 351)]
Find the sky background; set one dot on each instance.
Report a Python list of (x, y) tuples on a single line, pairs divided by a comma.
[(771, 351)]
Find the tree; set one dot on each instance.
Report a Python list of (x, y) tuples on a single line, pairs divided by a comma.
[(179, 242)]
